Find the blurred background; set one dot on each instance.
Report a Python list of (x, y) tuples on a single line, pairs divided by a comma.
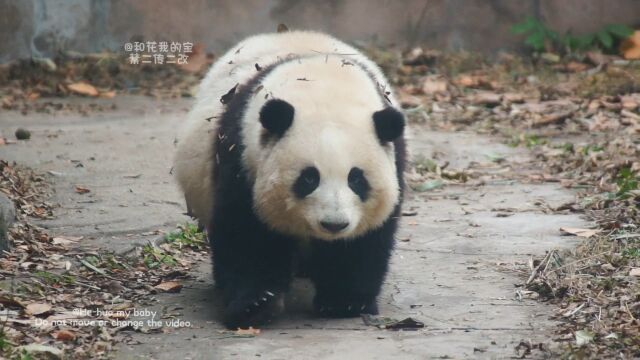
[(40, 28)]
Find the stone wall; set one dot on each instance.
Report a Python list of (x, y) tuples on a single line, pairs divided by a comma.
[(41, 27)]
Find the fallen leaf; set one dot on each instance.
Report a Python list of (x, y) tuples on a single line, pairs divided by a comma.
[(108, 94), (65, 335), (50, 351), (583, 337), (36, 309), (66, 240), (429, 185), (113, 287), (634, 272), (83, 88), (495, 157), (630, 48), (82, 190), (10, 302), (392, 324), (575, 66), (196, 61), (587, 233), (169, 286), (248, 332), (433, 85), (486, 98)]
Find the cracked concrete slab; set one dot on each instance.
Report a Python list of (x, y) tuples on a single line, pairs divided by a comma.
[(447, 269)]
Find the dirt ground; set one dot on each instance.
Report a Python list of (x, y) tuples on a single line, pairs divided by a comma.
[(450, 269)]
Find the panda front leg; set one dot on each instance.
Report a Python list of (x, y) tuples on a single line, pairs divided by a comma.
[(348, 275), (252, 268)]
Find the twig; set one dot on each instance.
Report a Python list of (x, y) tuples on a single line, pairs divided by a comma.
[(95, 269), (536, 270), (554, 118), (577, 261)]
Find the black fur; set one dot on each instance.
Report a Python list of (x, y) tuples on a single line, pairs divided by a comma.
[(307, 182), (253, 264), (358, 183), (276, 116), (389, 124)]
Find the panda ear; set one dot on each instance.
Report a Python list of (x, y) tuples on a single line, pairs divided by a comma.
[(276, 116), (389, 124)]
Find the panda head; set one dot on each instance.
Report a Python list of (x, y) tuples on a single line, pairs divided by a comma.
[(329, 172)]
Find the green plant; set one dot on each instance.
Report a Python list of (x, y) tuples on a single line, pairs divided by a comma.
[(591, 148), (627, 181), (50, 278), (528, 140), (154, 257), (187, 235), (632, 252), (605, 38), (540, 37), (5, 343)]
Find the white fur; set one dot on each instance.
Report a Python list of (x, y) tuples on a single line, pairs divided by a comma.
[(332, 130)]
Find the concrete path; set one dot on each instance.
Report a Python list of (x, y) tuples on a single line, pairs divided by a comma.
[(448, 270)]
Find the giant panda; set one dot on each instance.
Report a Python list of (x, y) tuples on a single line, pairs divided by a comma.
[(292, 158)]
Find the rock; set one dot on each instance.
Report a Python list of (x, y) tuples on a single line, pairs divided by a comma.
[(7, 217), (23, 134)]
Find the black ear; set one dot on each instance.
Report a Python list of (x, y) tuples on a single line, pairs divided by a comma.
[(389, 124), (276, 116)]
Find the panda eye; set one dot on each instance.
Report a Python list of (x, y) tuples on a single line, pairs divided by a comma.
[(358, 183), (356, 176), (307, 182), (309, 178)]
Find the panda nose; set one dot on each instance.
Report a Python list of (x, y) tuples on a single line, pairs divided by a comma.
[(334, 227)]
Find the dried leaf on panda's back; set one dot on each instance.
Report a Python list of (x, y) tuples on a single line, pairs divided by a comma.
[(226, 98), (282, 28)]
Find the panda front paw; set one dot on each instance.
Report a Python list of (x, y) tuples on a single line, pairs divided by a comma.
[(345, 309), (253, 310)]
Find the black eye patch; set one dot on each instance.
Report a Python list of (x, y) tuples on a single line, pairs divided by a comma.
[(307, 182), (358, 183)]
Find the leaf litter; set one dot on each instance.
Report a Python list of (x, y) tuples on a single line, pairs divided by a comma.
[(51, 289), (579, 116)]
